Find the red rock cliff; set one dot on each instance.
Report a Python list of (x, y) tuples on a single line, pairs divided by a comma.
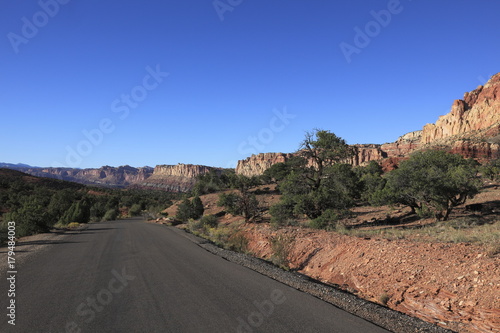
[(472, 129), (475, 116)]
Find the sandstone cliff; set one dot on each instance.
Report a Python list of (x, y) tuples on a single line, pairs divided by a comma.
[(255, 165), (472, 129), (404, 145), (475, 116), (106, 175), (173, 178), (176, 178)]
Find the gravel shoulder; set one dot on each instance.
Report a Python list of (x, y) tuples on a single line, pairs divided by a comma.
[(384, 317)]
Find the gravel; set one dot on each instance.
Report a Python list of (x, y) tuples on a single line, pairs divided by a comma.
[(389, 319)]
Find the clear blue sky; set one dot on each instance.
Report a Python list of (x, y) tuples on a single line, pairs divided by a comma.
[(86, 66)]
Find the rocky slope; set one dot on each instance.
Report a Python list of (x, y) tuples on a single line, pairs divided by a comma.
[(453, 285), (472, 128)]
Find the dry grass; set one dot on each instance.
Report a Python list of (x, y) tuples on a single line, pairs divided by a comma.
[(461, 230)]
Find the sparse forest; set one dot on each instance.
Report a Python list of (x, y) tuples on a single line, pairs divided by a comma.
[(39, 204), (319, 187)]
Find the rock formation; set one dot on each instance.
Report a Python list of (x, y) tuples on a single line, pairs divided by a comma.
[(108, 176), (367, 153), (255, 165), (476, 116), (173, 178), (404, 145), (472, 129)]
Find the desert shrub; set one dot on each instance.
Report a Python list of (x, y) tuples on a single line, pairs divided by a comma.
[(195, 226), (281, 246), (198, 208), (78, 212), (244, 204), (328, 220), (281, 213), (190, 209), (184, 210), (213, 181), (30, 219), (279, 171), (111, 215), (135, 210), (209, 221), (237, 242), (384, 298), (219, 235), (491, 170), (424, 211), (370, 185)]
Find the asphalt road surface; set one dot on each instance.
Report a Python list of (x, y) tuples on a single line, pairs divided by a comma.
[(130, 276)]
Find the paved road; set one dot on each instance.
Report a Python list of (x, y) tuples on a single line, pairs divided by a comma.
[(129, 276)]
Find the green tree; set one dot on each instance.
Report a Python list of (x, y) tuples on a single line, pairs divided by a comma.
[(279, 171), (111, 214), (432, 180), (30, 219), (244, 204), (135, 210), (78, 212), (184, 210), (213, 181), (209, 221), (325, 182), (60, 202), (198, 208), (324, 149), (491, 170), (371, 181)]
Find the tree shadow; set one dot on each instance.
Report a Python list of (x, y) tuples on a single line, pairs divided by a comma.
[(44, 242), (390, 221)]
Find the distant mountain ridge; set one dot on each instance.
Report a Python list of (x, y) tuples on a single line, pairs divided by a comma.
[(172, 178), (15, 166)]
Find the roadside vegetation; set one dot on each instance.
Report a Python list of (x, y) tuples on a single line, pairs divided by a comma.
[(39, 204), (426, 198)]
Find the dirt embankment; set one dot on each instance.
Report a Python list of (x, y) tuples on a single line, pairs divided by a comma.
[(425, 274), (456, 286)]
